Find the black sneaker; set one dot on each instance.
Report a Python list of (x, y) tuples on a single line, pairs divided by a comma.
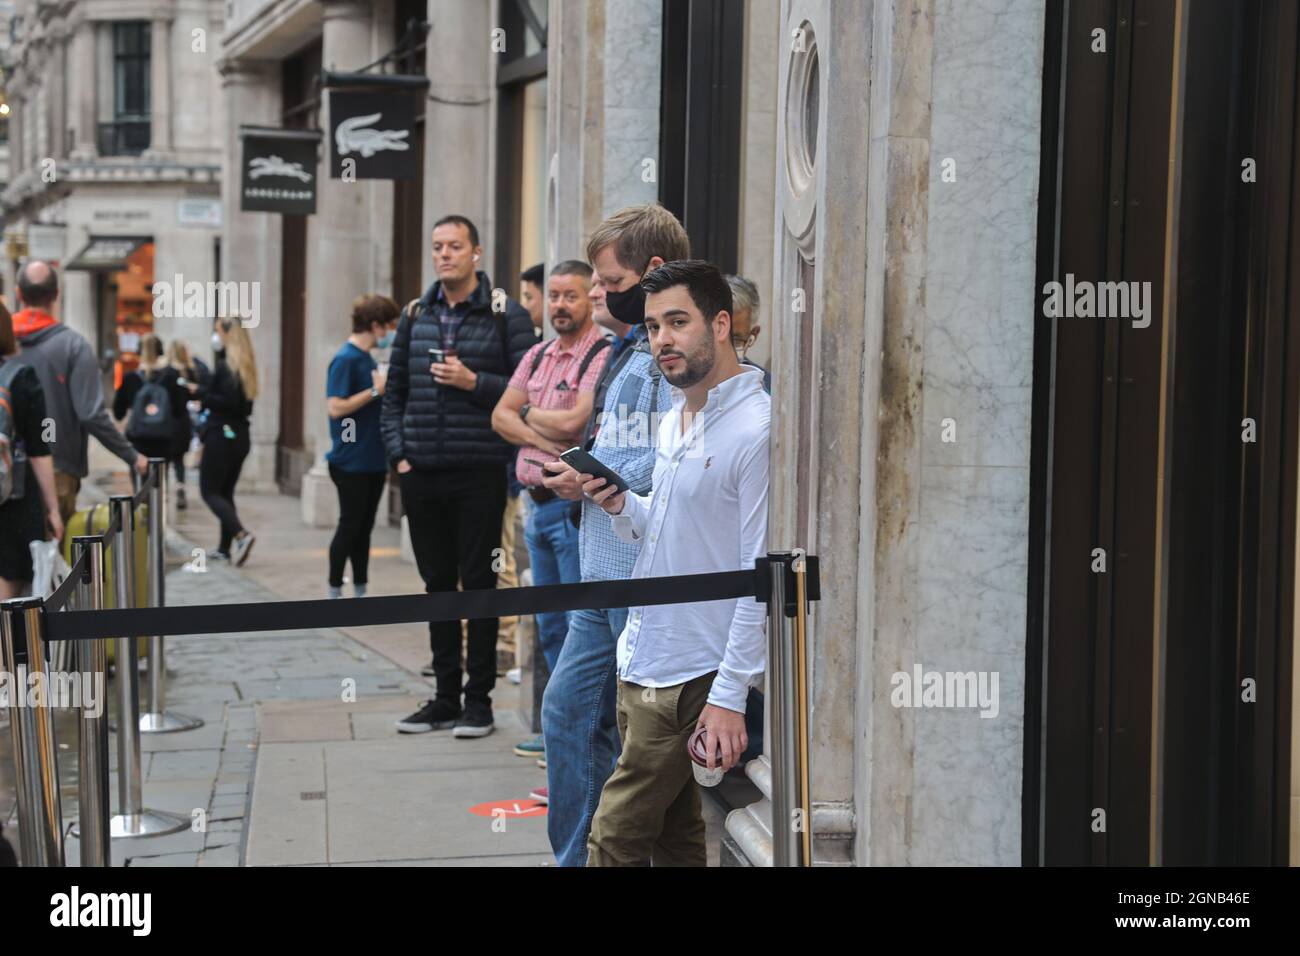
[(477, 721), (434, 715)]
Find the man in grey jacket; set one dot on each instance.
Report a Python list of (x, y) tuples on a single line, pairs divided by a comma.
[(69, 374)]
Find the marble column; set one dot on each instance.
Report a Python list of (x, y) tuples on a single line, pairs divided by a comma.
[(58, 88), (160, 87), (458, 120), (82, 87), (250, 252), (339, 267)]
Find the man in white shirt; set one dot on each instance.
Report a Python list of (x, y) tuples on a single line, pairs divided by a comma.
[(683, 666)]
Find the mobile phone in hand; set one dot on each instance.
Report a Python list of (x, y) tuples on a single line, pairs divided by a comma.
[(438, 356), (586, 463)]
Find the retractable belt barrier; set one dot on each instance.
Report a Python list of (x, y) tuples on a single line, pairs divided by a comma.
[(402, 609), (786, 582)]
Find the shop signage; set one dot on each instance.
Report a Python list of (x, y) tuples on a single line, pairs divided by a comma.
[(278, 170)]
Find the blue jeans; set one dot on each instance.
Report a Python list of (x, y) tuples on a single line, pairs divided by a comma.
[(579, 729), (552, 543)]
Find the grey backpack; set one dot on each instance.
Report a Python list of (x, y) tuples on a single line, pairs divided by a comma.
[(13, 463)]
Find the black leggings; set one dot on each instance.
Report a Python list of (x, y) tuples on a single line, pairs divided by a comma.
[(218, 474), (359, 494)]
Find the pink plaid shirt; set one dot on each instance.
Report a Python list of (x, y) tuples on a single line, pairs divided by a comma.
[(554, 386)]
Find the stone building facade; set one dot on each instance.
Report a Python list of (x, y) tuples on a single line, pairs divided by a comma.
[(114, 158)]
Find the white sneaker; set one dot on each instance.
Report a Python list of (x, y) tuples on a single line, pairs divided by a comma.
[(515, 675), (240, 547)]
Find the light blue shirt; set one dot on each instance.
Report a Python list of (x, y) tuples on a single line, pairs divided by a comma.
[(635, 402)]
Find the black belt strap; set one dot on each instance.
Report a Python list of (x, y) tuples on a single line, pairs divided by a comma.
[(402, 609)]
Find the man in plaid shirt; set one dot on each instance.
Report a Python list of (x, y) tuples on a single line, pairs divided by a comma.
[(578, 721)]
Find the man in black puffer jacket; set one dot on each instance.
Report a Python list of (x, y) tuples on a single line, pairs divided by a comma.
[(437, 428)]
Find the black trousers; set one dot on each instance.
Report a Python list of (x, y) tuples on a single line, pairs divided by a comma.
[(218, 474), (359, 493), (454, 518)]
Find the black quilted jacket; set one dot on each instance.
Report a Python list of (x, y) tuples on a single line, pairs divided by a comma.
[(435, 426)]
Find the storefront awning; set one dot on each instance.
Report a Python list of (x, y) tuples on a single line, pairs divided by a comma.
[(107, 253)]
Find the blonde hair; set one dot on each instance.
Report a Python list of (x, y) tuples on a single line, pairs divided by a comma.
[(178, 354), (151, 353), (240, 357), (638, 234)]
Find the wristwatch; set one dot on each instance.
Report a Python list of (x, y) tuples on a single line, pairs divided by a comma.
[(374, 392), (523, 412)]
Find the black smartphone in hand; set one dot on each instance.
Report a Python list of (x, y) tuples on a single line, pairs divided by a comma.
[(586, 463)]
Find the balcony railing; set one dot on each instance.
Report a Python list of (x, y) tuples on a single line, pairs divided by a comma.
[(123, 137)]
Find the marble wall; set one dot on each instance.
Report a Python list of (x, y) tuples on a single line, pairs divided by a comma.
[(633, 47), (974, 504), (921, 273)]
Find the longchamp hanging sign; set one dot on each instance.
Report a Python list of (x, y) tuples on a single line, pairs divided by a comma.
[(278, 170), (372, 125)]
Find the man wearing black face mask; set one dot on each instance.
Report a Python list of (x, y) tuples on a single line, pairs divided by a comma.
[(578, 721)]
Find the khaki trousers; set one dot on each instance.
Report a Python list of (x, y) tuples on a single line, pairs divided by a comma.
[(650, 808), (508, 576)]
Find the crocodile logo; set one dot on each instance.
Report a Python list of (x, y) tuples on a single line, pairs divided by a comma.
[(355, 135)]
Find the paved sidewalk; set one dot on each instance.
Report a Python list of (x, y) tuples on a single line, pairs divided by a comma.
[(298, 762)]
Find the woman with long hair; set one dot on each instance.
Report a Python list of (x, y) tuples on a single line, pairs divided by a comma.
[(154, 431), (228, 400), (31, 507), (189, 368)]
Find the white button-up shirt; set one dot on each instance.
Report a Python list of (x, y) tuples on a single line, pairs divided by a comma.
[(707, 512)]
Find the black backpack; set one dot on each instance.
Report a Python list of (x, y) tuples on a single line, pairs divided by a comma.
[(13, 463), (151, 413)]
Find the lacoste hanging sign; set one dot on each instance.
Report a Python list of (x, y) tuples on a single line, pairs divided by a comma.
[(278, 170), (373, 126)]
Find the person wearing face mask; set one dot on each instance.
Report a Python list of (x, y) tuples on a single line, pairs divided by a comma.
[(358, 465), (578, 719), (745, 327), (228, 402)]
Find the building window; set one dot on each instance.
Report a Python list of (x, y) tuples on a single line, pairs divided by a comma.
[(127, 134)]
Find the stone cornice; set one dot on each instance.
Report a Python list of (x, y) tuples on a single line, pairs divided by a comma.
[(29, 185)]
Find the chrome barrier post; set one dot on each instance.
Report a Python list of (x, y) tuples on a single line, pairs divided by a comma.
[(157, 720), (787, 848), (36, 766), (131, 819), (93, 826)]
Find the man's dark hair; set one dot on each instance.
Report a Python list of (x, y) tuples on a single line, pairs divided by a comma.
[(534, 274), (38, 294), (454, 220), (704, 283), (572, 267), (368, 310)]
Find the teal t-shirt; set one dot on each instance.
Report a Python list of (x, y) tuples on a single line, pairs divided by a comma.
[(357, 445)]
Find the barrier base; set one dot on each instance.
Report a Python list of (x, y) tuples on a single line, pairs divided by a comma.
[(146, 823), (167, 723)]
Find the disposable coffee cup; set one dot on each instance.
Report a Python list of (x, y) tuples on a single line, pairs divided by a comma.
[(699, 761)]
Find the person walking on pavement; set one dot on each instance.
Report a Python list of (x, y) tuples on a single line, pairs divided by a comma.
[(354, 387), (155, 399), (74, 395), (682, 667), (189, 368), (556, 376), (29, 504), (450, 363), (228, 400), (578, 716)]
